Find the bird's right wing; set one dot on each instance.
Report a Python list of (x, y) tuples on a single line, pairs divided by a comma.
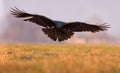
[(80, 26), (38, 19)]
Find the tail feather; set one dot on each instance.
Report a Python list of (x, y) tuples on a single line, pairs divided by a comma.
[(51, 33), (57, 35)]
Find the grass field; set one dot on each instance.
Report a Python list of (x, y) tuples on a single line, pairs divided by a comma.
[(59, 58)]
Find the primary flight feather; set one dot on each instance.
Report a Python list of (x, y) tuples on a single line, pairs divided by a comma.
[(58, 30)]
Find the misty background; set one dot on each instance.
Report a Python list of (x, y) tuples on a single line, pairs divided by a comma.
[(14, 30)]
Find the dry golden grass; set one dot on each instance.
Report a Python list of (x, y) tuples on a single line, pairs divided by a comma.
[(59, 58)]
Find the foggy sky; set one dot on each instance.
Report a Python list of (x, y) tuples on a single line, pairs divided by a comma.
[(72, 10)]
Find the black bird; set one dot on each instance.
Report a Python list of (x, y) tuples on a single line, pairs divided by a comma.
[(58, 30)]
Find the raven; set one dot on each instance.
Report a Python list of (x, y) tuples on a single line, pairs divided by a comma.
[(57, 30)]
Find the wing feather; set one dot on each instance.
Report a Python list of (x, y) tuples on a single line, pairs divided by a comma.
[(38, 19), (80, 26)]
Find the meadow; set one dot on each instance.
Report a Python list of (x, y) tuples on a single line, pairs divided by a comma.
[(59, 58)]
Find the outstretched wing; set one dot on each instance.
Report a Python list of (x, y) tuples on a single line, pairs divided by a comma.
[(38, 19), (80, 26)]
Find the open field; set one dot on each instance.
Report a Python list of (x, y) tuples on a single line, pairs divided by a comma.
[(59, 58)]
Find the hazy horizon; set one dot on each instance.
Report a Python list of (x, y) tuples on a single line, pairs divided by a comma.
[(64, 10)]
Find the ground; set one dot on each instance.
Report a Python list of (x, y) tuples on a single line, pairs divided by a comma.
[(59, 58)]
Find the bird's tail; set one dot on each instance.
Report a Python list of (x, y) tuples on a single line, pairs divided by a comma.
[(57, 34)]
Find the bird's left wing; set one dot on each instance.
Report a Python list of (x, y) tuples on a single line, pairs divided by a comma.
[(81, 26), (38, 19)]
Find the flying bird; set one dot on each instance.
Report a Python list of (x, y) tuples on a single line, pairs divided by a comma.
[(58, 30)]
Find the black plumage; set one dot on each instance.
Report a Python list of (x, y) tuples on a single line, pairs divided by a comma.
[(58, 30)]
